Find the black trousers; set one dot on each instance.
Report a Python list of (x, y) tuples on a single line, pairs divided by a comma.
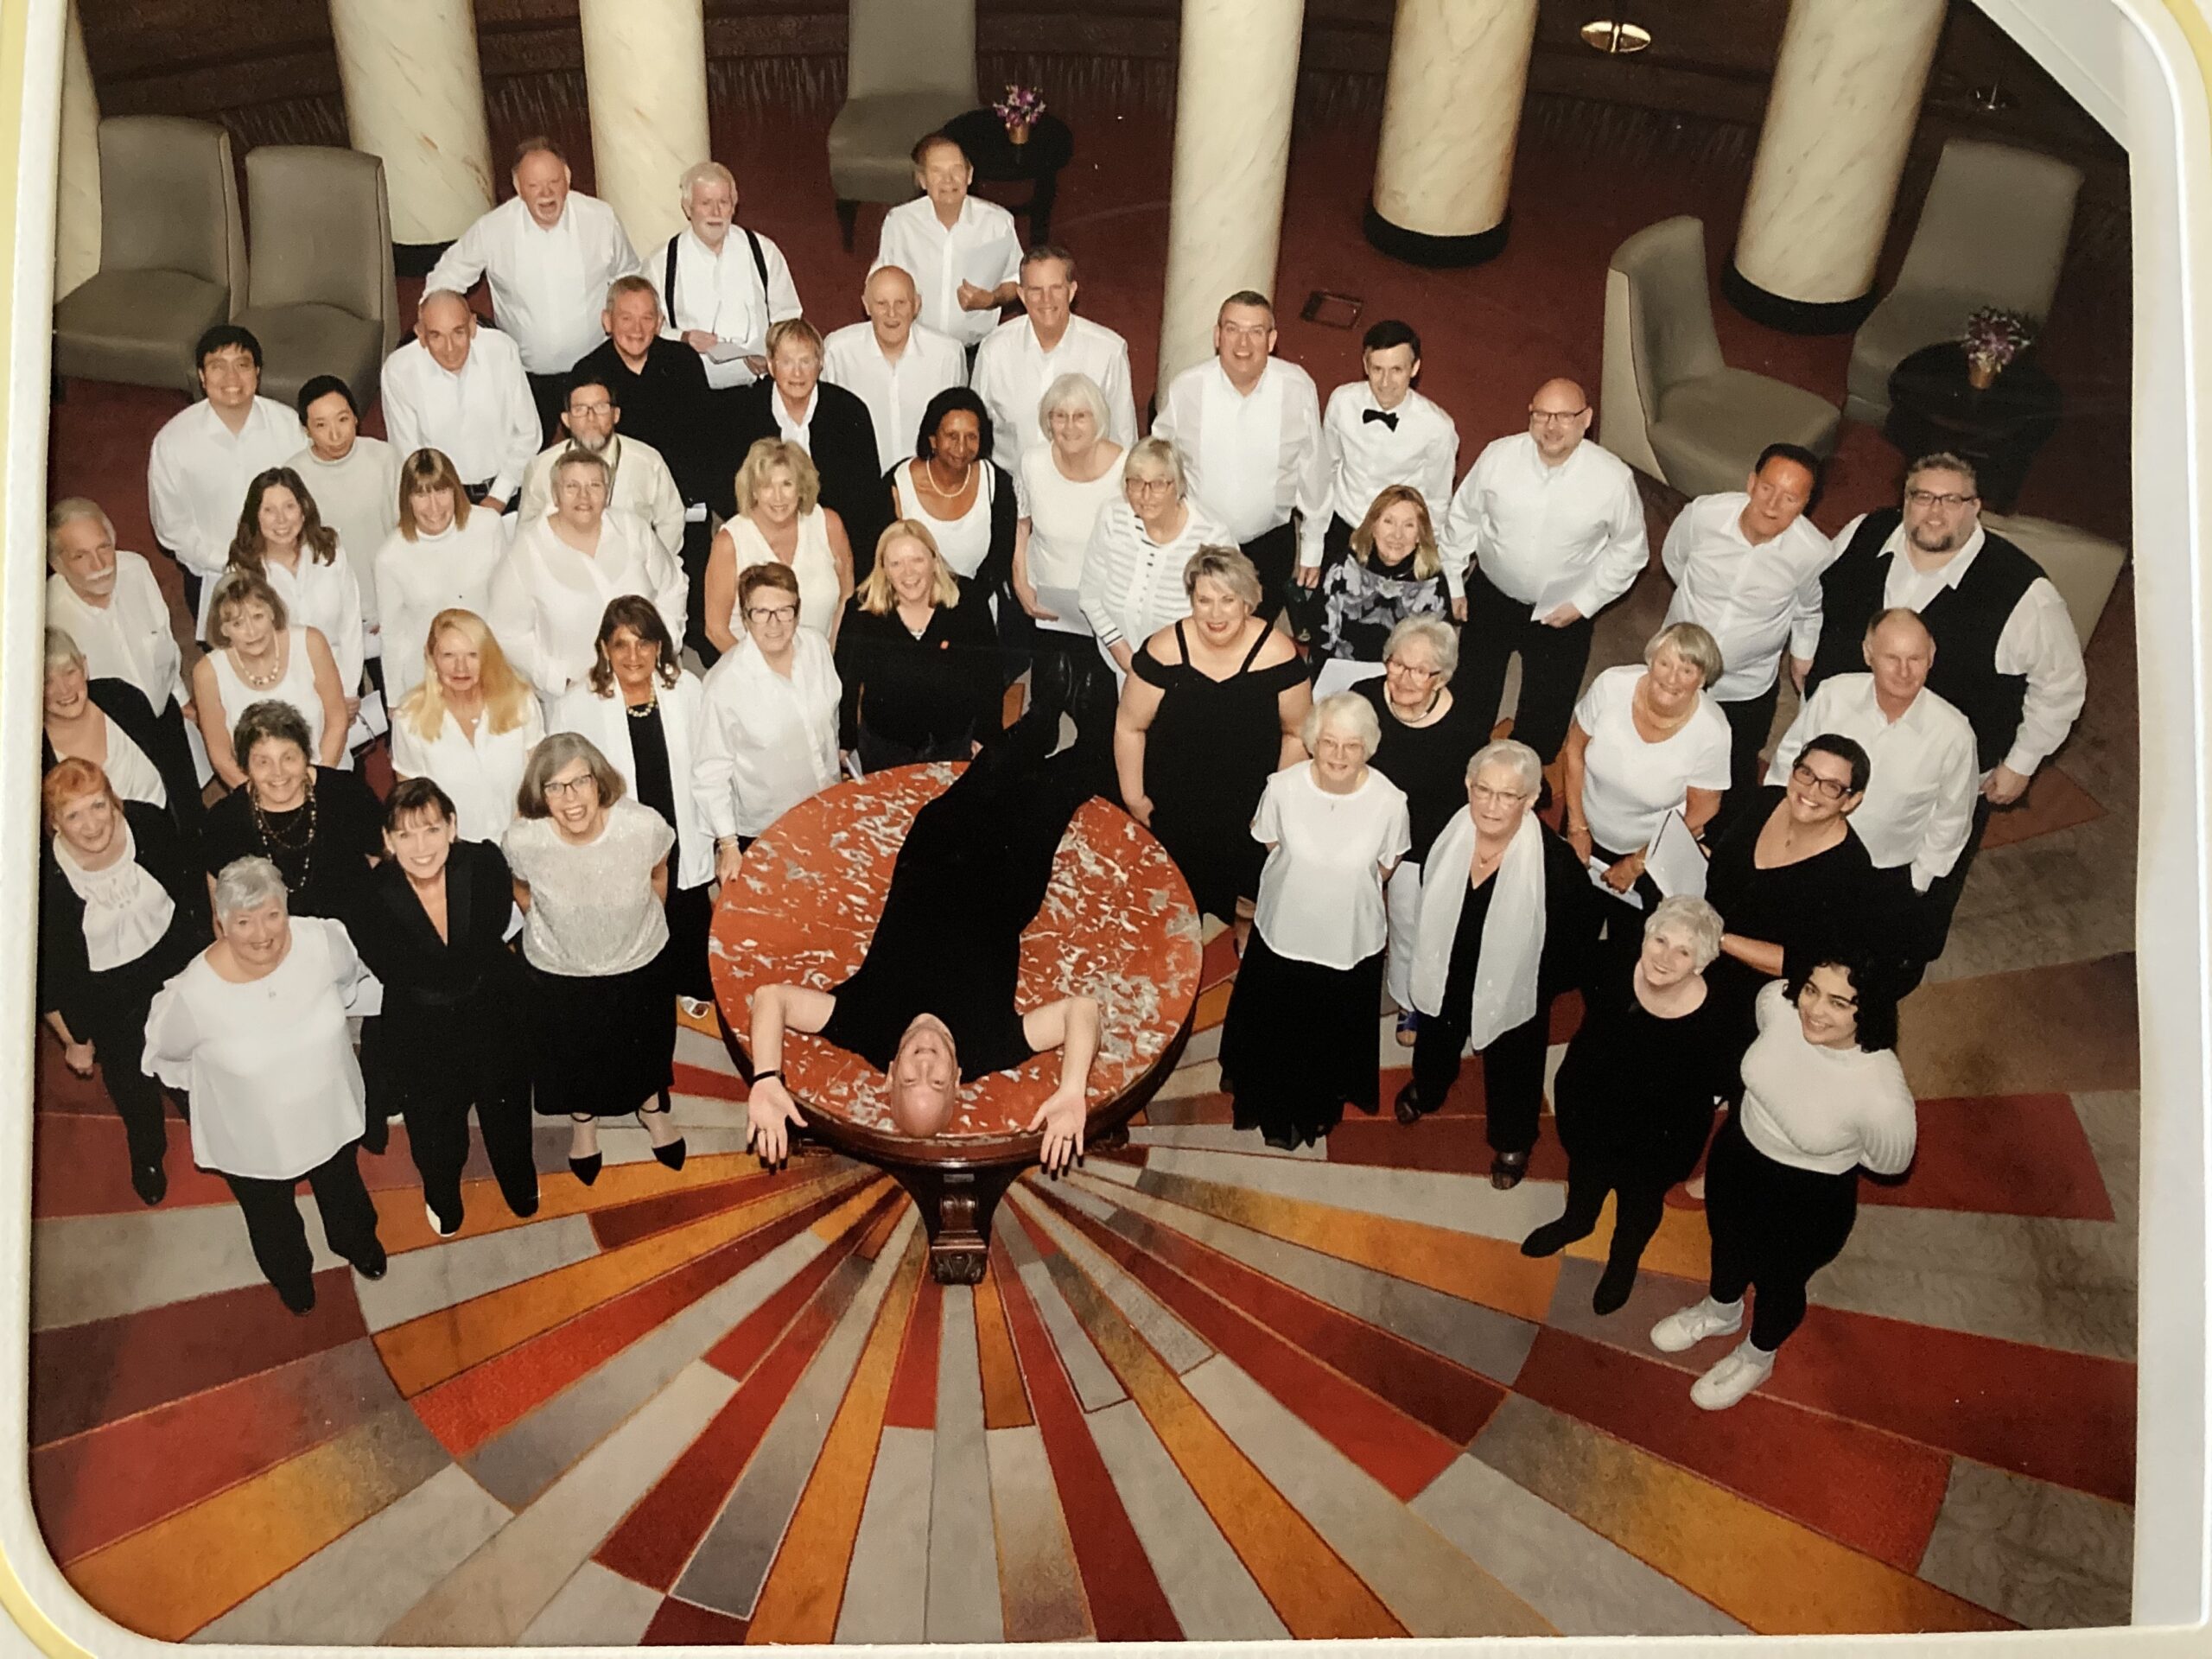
[(1923, 920), (437, 1135), (1275, 555), (1642, 1202), (1774, 1226), (551, 393), (119, 1041), (690, 919), (1749, 722), (698, 542), (280, 1238), (1513, 1072), (1552, 664)]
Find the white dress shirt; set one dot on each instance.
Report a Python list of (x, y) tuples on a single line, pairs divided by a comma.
[(1548, 536), (482, 419), (981, 248), (1012, 372), (1321, 889), (480, 772), (321, 596), (1252, 457), (896, 393), (1921, 782), (1361, 458), (643, 487), (357, 496), (548, 287), (606, 720), (722, 294), (1752, 599), (2038, 641), (127, 639), (450, 571), (1628, 782), (548, 598), (795, 428), (1132, 585), (198, 470), (765, 742)]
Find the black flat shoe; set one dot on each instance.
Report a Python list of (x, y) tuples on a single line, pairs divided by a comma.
[(1549, 1239), (150, 1182), (1506, 1170), (1612, 1294), (1408, 1106), (372, 1266), (585, 1169), (302, 1303)]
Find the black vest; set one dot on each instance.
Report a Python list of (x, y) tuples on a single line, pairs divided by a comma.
[(1965, 621)]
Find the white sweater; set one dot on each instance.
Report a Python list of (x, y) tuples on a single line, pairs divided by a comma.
[(1825, 1109)]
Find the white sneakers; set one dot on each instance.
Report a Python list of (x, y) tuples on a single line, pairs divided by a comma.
[(1695, 1324), (1744, 1370)]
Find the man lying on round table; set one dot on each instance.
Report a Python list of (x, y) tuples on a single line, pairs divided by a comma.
[(933, 1003)]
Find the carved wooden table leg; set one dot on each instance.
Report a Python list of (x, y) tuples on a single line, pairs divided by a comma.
[(957, 1206)]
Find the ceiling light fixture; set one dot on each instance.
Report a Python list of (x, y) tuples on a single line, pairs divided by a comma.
[(1615, 39)]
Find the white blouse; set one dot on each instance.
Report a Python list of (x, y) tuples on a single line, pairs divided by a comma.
[(296, 687), (1321, 889), (766, 743), (812, 562), (269, 1065), (1132, 585), (593, 911), (481, 773), (1628, 785), (548, 598), (129, 770), (606, 720), (316, 595), (449, 571), (1824, 1109), (126, 911), (1063, 511), (964, 542)]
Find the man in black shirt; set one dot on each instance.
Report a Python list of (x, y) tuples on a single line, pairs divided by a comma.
[(933, 1003)]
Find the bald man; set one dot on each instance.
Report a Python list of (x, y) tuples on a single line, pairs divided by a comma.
[(463, 392), (1544, 532), (893, 363)]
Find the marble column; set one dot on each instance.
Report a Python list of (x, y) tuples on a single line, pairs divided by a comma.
[(1840, 120), (77, 202), (1234, 93), (646, 68), (1451, 114), (415, 98)]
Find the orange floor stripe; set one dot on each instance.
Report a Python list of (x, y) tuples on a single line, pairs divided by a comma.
[(1491, 1271), (170, 1579), (428, 1349), (1005, 1402), (1212, 1005), (1682, 1246), (401, 1224), (806, 1585), (1314, 1592)]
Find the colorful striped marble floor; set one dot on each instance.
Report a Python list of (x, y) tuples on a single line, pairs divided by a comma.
[(1206, 1391)]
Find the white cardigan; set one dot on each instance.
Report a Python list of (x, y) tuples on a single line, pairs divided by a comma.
[(607, 723)]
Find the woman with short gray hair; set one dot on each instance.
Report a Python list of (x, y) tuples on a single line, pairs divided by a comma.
[(255, 1031), (1139, 547), (1635, 1095), (1298, 1043), (1064, 484)]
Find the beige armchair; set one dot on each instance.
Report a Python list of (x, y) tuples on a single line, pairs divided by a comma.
[(909, 68), (323, 298), (1670, 406), (2083, 568), (172, 256), (1992, 231)]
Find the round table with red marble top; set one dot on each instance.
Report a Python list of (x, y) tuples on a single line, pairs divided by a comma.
[(1117, 923)]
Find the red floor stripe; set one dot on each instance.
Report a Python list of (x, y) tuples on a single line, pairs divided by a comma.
[(85, 1375), (94, 1488), (712, 1085), (2004, 1155), (1127, 1604), (81, 1166), (912, 1402), (625, 1223), (1396, 1448), (466, 1410), (686, 1625), (655, 1541), (1876, 1492), (1218, 961)]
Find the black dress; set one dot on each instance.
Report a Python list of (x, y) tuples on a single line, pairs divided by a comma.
[(1825, 902), (107, 1008), (324, 866), (908, 697), (1212, 746), (691, 910), (453, 1026), (1429, 763)]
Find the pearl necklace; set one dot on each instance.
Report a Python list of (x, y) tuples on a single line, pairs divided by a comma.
[(263, 681), (929, 472)]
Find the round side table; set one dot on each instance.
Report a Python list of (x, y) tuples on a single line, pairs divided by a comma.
[(999, 159), (1998, 428)]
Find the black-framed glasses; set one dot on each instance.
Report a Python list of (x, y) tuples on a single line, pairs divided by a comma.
[(1930, 499), (1829, 789), (772, 613)]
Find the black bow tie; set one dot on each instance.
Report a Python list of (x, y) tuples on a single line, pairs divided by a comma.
[(1387, 418)]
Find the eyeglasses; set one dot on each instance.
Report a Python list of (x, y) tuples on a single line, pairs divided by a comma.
[(772, 613), (1412, 671), (1929, 498), (1150, 486), (1829, 789), (570, 786), (1489, 797), (592, 409), (1556, 416)]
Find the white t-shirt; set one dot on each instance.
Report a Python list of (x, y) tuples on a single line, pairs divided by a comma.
[(1824, 1109), (1628, 785), (1321, 889)]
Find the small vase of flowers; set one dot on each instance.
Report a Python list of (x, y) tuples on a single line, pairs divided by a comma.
[(1992, 339), (1019, 109)]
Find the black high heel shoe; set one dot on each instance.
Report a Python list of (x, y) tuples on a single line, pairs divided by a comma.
[(584, 1169), (671, 1155)]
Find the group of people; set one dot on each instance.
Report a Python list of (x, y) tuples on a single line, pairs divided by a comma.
[(653, 561)]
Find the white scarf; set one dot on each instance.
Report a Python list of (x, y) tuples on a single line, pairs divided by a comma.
[(126, 911), (1513, 931)]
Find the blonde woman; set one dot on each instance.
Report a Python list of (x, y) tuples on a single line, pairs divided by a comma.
[(780, 517), (469, 725), (1392, 572), (439, 558), (918, 659)]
